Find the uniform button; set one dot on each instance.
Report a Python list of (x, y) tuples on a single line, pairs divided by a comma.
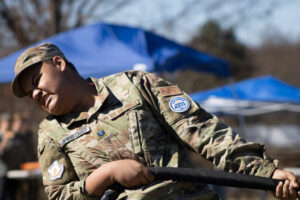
[(100, 133)]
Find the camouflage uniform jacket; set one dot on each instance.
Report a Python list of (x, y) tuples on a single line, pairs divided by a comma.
[(134, 118)]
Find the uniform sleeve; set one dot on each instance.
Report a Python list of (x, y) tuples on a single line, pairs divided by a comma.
[(203, 132), (59, 178)]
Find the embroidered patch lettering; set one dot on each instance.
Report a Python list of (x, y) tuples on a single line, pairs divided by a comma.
[(121, 110), (55, 171), (179, 104), (77, 134)]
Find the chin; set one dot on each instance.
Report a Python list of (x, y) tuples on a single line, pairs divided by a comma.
[(51, 112), (58, 112)]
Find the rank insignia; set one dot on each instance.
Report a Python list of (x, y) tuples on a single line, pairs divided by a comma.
[(55, 171), (179, 104)]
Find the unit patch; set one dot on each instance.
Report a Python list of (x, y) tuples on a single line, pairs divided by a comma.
[(55, 171), (179, 104)]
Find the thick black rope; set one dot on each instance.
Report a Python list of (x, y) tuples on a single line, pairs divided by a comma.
[(203, 176), (214, 177)]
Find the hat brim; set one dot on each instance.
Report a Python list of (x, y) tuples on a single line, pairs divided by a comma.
[(16, 87)]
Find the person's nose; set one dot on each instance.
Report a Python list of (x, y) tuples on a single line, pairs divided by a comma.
[(36, 94)]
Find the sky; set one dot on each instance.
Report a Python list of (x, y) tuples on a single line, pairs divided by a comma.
[(284, 19), (260, 18)]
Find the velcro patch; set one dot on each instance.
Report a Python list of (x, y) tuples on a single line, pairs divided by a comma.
[(170, 90)]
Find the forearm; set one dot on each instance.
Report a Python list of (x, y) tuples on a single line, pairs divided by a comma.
[(128, 173), (97, 182)]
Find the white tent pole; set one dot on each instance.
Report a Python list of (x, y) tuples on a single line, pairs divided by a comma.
[(241, 118)]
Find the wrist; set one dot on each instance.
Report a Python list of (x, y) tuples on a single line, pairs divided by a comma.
[(99, 180), (108, 171), (272, 174)]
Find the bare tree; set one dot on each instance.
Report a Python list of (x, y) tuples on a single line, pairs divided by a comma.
[(27, 21), (279, 58), (229, 13)]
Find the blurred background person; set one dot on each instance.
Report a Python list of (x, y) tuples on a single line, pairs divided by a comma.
[(22, 129), (26, 158), (16, 148), (7, 191)]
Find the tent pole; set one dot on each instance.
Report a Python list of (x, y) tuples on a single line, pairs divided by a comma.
[(240, 117)]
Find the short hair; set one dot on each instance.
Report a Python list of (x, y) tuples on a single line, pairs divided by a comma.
[(69, 64), (72, 66)]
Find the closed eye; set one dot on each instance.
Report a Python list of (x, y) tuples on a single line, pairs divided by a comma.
[(36, 80)]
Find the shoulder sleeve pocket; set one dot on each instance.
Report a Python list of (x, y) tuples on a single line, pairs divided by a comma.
[(56, 166)]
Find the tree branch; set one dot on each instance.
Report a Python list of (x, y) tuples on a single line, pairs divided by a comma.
[(13, 22)]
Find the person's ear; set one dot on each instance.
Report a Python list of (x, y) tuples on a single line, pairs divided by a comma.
[(60, 63)]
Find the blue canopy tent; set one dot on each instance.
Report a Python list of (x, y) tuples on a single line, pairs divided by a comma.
[(103, 49), (250, 97)]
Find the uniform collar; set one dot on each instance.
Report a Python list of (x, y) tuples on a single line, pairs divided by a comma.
[(72, 117)]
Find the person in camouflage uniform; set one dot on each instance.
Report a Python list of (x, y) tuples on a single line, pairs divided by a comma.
[(102, 131)]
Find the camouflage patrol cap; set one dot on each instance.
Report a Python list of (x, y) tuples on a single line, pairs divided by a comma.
[(30, 57)]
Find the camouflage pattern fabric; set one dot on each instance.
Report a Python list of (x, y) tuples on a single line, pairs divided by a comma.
[(133, 119)]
